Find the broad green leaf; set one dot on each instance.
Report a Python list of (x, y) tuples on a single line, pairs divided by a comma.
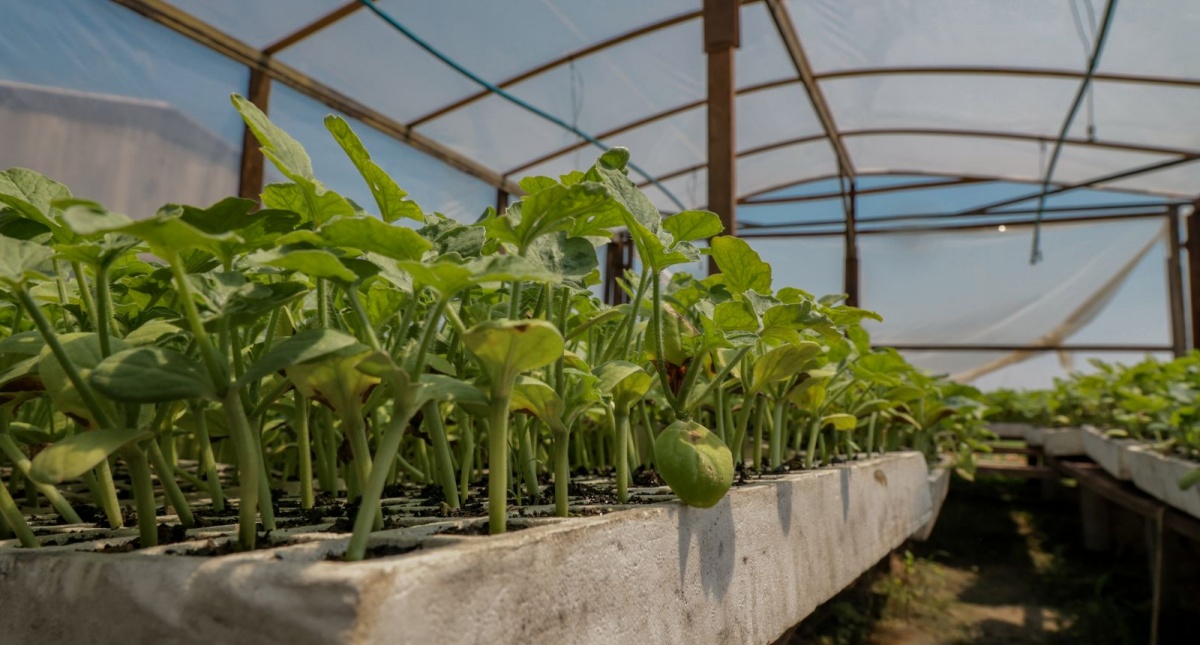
[(536, 397), (570, 257), (21, 261), (840, 421), (166, 233), (151, 375), (450, 236), (26, 343), (533, 185), (809, 394), (334, 380), (229, 214), (72, 457), (370, 234), (625, 381), (743, 269), (311, 207), (314, 263), (285, 152), (689, 226), (151, 333), (782, 363), (439, 387), (83, 351), (98, 253), (510, 347), (735, 315), (21, 381), (390, 198), (31, 194), (448, 277), (308, 345), (657, 250), (843, 316), (610, 171)]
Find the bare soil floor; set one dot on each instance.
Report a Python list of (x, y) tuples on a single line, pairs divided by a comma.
[(1005, 566)]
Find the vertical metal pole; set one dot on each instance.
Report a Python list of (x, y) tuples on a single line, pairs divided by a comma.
[(851, 272), (1193, 272), (1175, 285), (501, 201), (721, 37), (250, 176)]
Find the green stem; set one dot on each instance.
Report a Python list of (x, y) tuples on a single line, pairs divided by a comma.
[(467, 429), (621, 422), (562, 473), (777, 436), (814, 432), (322, 304), (363, 319), (303, 450), (143, 494), (14, 518), (107, 495), (22, 463), (85, 294), (103, 309), (385, 454), (166, 476), (63, 300), (743, 424), (441, 452), (498, 460), (760, 420), (528, 460), (208, 463), (248, 470), (356, 432)]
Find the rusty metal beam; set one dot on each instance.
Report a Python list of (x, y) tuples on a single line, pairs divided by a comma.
[(1193, 271), (1139, 210), (1175, 284), (184, 23), (791, 40), (1011, 223), (312, 27)]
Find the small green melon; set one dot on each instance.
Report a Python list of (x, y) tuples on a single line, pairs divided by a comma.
[(694, 462)]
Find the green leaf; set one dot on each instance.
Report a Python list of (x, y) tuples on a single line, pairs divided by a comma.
[(74, 456), (26, 343), (539, 399), (840, 421), (1190, 479), (743, 269), (308, 345), (783, 362), (166, 233), (625, 381), (570, 257), (311, 206), (151, 375), (388, 195), (229, 214), (31, 194), (285, 152), (735, 315), (82, 349), (844, 316), (688, 226), (21, 261), (439, 387), (370, 234), (510, 347), (657, 249), (314, 263), (151, 333), (335, 380)]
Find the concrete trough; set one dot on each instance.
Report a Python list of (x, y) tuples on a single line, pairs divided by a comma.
[(1057, 442), (1108, 452), (743, 571), (1158, 475), (1009, 430)]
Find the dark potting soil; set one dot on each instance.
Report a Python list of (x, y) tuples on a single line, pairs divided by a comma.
[(380, 551)]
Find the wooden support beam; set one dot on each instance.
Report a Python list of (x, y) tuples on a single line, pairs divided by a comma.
[(1092, 476), (1021, 470), (851, 273), (250, 177), (166, 14), (1175, 285), (1193, 271), (313, 27), (721, 38)]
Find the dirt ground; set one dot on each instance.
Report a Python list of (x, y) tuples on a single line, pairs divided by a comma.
[(1005, 567)]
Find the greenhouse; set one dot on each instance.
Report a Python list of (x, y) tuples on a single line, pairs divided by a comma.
[(555, 321)]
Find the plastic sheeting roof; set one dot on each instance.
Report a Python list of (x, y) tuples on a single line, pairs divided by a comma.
[(951, 87)]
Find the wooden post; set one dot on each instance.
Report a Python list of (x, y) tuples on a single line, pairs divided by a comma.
[(501, 201), (851, 272), (250, 178), (1193, 251), (721, 37), (1175, 285)]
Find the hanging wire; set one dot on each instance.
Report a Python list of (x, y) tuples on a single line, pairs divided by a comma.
[(1086, 40), (1035, 254), (494, 89)]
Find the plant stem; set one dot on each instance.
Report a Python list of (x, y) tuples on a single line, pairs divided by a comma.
[(106, 494), (363, 319), (85, 294), (441, 452), (528, 463), (562, 473), (815, 431), (63, 300), (303, 450), (372, 492), (777, 436), (22, 463), (14, 518), (208, 464), (467, 429), (760, 420), (166, 477), (621, 423), (356, 432), (249, 461), (498, 460), (143, 494), (103, 309)]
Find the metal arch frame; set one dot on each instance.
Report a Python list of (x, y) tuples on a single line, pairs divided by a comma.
[(217, 40), (1177, 153)]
